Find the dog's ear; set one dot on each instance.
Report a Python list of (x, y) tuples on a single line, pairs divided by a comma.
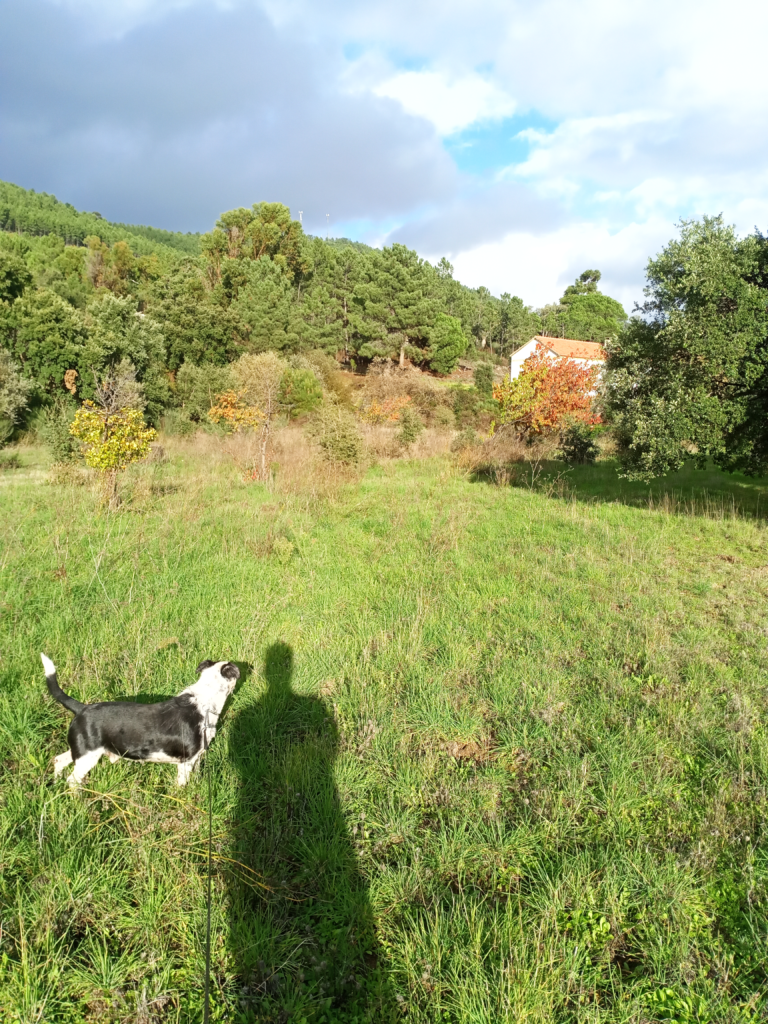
[(230, 670), (204, 665)]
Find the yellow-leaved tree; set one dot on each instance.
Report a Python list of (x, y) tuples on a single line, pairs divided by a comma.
[(251, 409), (112, 430)]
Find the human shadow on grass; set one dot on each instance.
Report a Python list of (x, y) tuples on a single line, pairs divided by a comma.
[(301, 934)]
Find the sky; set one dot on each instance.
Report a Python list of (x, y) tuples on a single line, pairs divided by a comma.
[(526, 140)]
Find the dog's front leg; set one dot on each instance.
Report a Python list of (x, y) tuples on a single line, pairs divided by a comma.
[(184, 770)]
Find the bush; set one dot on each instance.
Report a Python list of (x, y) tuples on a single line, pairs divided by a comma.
[(467, 406), (483, 376), (300, 392), (258, 378), (443, 417), (176, 423), (14, 395), (197, 388), (55, 433), (577, 446), (411, 427), (466, 439), (336, 432), (326, 368)]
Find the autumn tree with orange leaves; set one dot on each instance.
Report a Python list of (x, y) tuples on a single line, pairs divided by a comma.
[(546, 393)]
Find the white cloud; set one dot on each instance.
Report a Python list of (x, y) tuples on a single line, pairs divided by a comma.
[(538, 266), (450, 106), (583, 141)]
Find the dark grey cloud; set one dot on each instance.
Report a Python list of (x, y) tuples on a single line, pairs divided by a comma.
[(479, 214), (202, 110)]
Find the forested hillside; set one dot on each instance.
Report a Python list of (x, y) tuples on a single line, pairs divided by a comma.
[(78, 293), (37, 213)]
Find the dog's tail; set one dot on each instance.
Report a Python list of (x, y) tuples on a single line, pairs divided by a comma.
[(56, 691)]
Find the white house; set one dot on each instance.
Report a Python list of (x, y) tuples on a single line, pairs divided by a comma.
[(586, 353)]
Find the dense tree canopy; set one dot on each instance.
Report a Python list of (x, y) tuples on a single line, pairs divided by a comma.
[(80, 294), (583, 312), (688, 378)]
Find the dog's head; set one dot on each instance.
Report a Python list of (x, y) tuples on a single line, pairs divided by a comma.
[(226, 673)]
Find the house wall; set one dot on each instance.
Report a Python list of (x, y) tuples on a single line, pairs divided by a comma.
[(518, 358)]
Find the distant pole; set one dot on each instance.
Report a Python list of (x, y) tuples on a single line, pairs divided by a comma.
[(301, 213), (327, 226)]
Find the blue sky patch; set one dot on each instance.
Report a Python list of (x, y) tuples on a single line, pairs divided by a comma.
[(485, 148)]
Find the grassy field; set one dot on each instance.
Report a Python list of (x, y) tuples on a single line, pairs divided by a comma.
[(497, 753)]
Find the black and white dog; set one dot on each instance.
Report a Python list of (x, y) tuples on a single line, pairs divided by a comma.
[(176, 731)]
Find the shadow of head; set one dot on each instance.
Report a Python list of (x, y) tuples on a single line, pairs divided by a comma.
[(278, 669)]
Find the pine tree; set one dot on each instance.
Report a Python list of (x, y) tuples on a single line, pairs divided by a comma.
[(395, 305)]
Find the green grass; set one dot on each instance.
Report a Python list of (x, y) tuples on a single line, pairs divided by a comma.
[(497, 755)]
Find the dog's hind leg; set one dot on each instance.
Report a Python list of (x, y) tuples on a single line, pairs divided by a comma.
[(61, 762), (83, 765), (183, 773)]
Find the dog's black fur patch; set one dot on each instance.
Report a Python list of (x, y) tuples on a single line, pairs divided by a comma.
[(137, 731)]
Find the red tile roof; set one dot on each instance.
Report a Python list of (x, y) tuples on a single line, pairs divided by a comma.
[(567, 348)]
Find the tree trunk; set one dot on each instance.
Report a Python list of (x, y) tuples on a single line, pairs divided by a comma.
[(402, 356), (112, 490), (263, 445)]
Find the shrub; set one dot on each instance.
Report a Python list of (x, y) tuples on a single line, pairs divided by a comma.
[(577, 446), (113, 434), (483, 376), (232, 411), (300, 392), (336, 432), (411, 427), (467, 406), (255, 403), (55, 430), (390, 410), (196, 387), (111, 440), (466, 439), (14, 395), (176, 423), (443, 417)]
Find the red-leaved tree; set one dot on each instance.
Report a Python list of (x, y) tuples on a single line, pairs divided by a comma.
[(547, 392)]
